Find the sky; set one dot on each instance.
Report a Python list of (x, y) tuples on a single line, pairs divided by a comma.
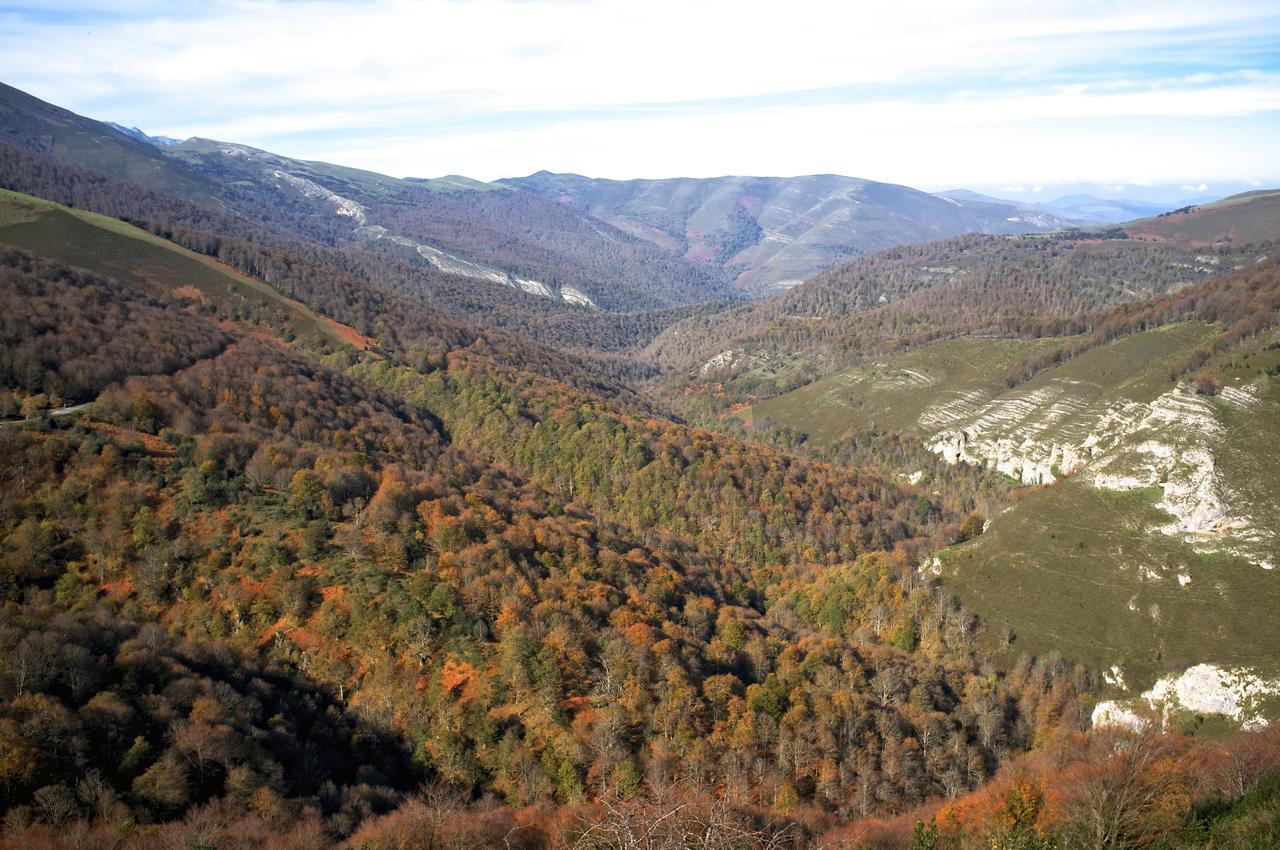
[(1017, 99)]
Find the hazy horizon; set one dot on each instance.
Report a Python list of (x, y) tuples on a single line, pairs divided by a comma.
[(992, 99)]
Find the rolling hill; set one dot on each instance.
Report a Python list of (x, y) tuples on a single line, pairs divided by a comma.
[(1154, 549), (135, 256), (1248, 218)]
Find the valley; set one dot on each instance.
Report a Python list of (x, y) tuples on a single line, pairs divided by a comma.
[(346, 510)]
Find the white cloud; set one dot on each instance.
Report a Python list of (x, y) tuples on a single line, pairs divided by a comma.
[(1201, 188), (806, 142), (665, 87), (551, 54)]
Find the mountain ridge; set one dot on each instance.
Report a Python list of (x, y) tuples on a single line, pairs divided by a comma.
[(771, 233), (501, 239)]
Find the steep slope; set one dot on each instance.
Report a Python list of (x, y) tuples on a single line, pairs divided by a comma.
[(456, 226), (237, 239), (1157, 556), (1155, 551), (134, 256), (51, 131), (770, 233), (518, 584), (304, 299)]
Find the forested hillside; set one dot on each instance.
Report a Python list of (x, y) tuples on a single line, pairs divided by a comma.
[(508, 637), (1029, 286), (240, 241), (520, 234)]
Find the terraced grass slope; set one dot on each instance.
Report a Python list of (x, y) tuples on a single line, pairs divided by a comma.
[(112, 247), (894, 393)]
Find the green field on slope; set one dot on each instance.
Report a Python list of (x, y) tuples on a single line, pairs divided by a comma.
[(894, 393), (891, 394), (1087, 571), (1075, 569), (1082, 571)]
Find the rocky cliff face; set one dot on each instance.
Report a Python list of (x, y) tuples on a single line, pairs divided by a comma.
[(1237, 693), (1203, 461), (1170, 443)]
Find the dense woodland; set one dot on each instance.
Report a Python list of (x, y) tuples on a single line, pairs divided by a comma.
[(69, 334), (524, 643), (460, 587)]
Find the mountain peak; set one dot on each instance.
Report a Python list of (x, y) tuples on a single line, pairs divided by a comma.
[(142, 136)]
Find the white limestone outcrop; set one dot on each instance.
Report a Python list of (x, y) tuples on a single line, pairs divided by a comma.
[(1233, 692)]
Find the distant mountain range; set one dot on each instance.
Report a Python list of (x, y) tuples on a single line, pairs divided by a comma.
[(614, 244), (1087, 203), (1078, 209), (467, 229), (625, 245), (770, 233)]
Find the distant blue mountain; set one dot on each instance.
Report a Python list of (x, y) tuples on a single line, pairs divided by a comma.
[(1079, 208)]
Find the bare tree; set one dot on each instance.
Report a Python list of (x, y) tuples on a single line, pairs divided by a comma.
[(1124, 801), (674, 821)]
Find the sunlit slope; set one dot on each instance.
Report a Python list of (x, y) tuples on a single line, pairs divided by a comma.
[(958, 389), (1249, 218), (893, 394), (1083, 572), (1159, 555), (116, 249)]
